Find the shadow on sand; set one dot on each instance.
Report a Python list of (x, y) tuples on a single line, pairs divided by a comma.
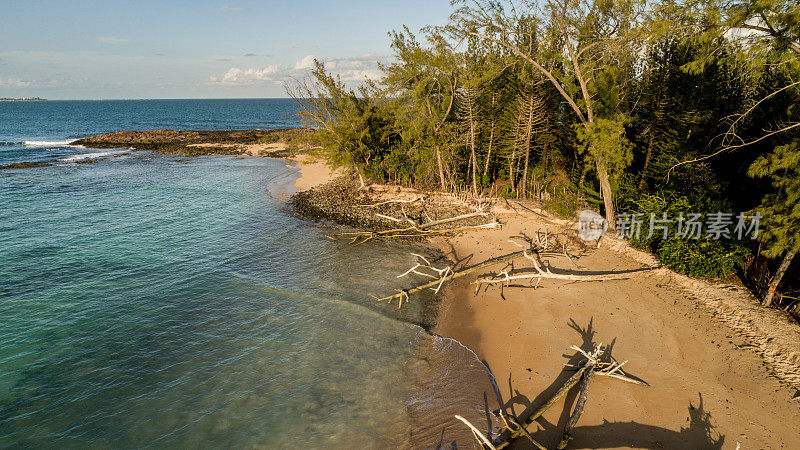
[(700, 433)]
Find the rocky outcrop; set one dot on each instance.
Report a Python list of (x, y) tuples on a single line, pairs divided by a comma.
[(184, 142)]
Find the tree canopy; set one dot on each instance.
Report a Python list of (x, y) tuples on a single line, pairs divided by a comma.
[(618, 105)]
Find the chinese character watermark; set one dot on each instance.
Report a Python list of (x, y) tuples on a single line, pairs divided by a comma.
[(718, 225)]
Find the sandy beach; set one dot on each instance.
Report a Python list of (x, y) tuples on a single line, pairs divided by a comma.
[(708, 387), (313, 172), (715, 380), (721, 371)]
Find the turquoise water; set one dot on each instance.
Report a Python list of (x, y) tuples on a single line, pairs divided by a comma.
[(152, 300)]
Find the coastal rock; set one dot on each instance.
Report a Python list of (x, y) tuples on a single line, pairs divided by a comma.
[(24, 165), (187, 142), (344, 202)]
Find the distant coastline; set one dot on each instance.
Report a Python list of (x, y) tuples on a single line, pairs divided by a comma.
[(23, 99)]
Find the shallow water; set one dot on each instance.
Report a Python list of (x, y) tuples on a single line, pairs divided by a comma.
[(153, 300)]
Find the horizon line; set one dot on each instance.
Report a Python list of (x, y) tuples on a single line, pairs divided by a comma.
[(154, 98)]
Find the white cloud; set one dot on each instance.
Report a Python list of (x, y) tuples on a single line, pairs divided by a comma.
[(14, 82), (230, 9), (236, 75), (351, 70), (305, 63)]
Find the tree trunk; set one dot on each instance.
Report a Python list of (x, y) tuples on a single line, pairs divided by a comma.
[(647, 157), (605, 191), (491, 140), (441, 169), (653, 125), (776, 279), (511, 175), (489, 153), (525, 174), (473, 156)]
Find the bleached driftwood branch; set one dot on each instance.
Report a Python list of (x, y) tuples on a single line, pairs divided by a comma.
[(506, 277), (611, 369), (481, 438), (419, 230), (373, 205), (451, 275), (593, 364)]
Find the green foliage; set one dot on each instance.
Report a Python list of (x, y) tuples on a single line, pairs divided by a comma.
[(704, 257), (564, 201), (527, 98), (781, 207), (605, 140)]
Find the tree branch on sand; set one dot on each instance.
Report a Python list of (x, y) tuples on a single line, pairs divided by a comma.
[(416, 229), (539, 246), (595, 362)]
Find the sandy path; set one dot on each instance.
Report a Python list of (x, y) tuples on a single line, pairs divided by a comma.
[(709, 389)]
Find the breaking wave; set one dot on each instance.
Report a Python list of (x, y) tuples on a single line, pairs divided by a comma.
[(48, 143), (91, 155)]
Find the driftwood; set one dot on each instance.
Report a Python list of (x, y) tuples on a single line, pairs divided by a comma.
[(451, 275), (611, 369), (516, 427), (482, 439), (525, 420), (580, 403), (538, 248), (415, 229), (373, 205), (506, 277)]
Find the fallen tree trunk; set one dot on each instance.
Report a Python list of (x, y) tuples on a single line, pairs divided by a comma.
[(579, 405), (453, 275), (526, 420)]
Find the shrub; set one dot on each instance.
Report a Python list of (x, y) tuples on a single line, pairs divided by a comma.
[(703, 257)]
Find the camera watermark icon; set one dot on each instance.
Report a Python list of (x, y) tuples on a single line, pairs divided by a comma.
[(591, 225)]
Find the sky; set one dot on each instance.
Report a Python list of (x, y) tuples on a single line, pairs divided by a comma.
[(115, 49)]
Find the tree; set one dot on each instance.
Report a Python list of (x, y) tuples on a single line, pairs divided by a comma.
[(780, 208), (584, 37), (765, 35), (424, 82)]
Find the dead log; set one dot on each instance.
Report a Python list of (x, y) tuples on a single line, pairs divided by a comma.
[(526, 420), (579, 405), (452, 275), (539, 274), (506, 277), (481, 438)]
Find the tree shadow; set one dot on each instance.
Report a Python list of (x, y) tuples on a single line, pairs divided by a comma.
[(453, 256), (699, 434)]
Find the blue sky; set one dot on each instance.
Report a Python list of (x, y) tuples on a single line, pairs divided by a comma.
[(192, 49)]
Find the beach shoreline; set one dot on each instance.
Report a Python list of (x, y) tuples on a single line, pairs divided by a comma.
[(715, 377), (312, 169), (713, 380), (707, 385)]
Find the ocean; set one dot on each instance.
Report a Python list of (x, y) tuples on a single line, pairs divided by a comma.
[(152, 300)]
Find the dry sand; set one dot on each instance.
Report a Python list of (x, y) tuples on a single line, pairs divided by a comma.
[(709, 384), (313, 172)]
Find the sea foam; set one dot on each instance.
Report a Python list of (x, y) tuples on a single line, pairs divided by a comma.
[(91, 155), (47, 143)]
